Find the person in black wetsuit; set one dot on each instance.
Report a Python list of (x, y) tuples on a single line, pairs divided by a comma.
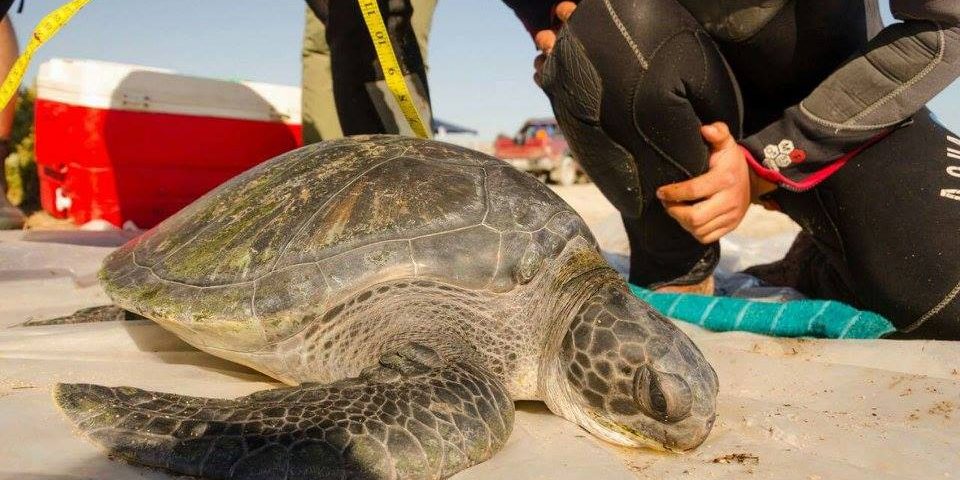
[(828, 109), (827, 105)]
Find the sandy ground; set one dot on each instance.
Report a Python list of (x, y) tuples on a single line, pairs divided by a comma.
[(41, 220), (788, 408)]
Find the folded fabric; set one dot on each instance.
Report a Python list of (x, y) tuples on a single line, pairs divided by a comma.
[(796, 318)]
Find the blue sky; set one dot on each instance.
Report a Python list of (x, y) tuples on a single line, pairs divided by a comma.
[(480, 56)]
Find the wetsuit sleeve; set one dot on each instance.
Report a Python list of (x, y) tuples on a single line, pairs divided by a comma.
[(898, 72), (536, 15)]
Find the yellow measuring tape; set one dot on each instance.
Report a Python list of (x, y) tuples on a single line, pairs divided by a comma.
[(393, 74), (391, 68), (46, 29)]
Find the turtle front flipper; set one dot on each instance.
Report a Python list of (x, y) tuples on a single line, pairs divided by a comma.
[(414, 415)]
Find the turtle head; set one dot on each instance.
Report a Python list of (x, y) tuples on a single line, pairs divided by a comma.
[(629, 376)]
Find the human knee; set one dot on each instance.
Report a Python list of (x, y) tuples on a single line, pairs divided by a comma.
[(944, 12)]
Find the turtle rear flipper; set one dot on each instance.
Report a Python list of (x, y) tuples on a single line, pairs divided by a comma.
[(102, 313), (413, 415)]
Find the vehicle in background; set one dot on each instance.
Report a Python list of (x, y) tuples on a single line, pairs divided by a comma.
[(540, 149)]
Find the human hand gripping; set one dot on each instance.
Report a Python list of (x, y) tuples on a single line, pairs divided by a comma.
[(710, 205), (545, 39), (713, 204)]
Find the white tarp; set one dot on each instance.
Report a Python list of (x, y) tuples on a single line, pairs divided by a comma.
[(788, 409)]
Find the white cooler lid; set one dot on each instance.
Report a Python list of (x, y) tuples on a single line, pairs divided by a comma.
[(117, 86)]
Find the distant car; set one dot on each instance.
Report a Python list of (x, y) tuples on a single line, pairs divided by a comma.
[(539, 148)]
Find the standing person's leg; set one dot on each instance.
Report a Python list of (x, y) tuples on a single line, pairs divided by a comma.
[(889, 221), (10, 217), (421, 21), (318, 107), (631, 84), (363, 103)]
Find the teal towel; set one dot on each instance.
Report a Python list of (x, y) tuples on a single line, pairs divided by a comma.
[(797, 318)]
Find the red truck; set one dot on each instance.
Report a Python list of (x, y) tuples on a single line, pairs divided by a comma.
[(539, 148)]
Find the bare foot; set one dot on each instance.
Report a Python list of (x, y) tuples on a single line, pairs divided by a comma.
[(706, 287)]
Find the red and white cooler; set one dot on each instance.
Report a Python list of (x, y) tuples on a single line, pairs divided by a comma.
[(130, 143)]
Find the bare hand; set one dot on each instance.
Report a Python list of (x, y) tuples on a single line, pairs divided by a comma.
[(711, 205)]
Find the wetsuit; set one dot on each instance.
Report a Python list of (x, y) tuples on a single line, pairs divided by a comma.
[(832, 110)]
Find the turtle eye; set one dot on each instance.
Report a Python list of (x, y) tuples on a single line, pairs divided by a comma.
[(662, 396)]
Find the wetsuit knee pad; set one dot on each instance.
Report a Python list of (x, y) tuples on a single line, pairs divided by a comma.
[(631, 83), (941, 11)]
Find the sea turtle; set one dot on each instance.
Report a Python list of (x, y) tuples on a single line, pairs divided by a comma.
[(410, 291)]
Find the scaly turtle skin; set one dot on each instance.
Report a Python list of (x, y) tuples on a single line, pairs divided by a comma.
[(410, 291)]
